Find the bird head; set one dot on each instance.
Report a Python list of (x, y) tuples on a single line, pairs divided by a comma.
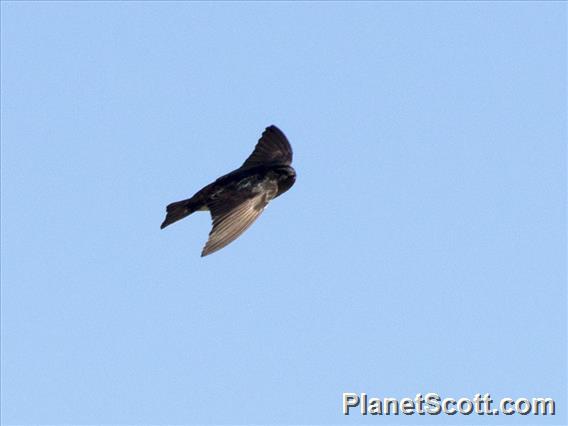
[(286, 178)]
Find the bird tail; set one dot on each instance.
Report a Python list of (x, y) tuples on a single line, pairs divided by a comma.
[(178, 210)]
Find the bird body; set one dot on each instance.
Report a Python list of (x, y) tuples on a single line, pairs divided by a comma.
[(236, 199)]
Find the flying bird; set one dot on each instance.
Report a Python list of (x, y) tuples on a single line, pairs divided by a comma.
[(237, 199)]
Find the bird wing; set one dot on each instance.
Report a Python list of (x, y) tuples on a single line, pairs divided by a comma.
[(231, 217), (272, 148)]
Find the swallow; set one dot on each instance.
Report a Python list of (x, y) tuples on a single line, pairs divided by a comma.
[(237, 199)]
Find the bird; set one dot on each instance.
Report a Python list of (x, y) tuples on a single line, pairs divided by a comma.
[(237, 199)]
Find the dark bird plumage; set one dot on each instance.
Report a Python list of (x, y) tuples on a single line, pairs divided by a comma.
[(237, 199)]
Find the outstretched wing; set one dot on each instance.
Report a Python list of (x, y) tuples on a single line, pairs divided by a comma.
[(232, 216), (272, 148)]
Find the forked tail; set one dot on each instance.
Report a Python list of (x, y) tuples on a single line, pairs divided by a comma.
[(178, 210)]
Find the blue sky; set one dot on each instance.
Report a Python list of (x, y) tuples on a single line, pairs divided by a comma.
[(422, 249)]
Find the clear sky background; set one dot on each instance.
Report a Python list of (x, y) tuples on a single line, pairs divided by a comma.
[(422, 249)]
